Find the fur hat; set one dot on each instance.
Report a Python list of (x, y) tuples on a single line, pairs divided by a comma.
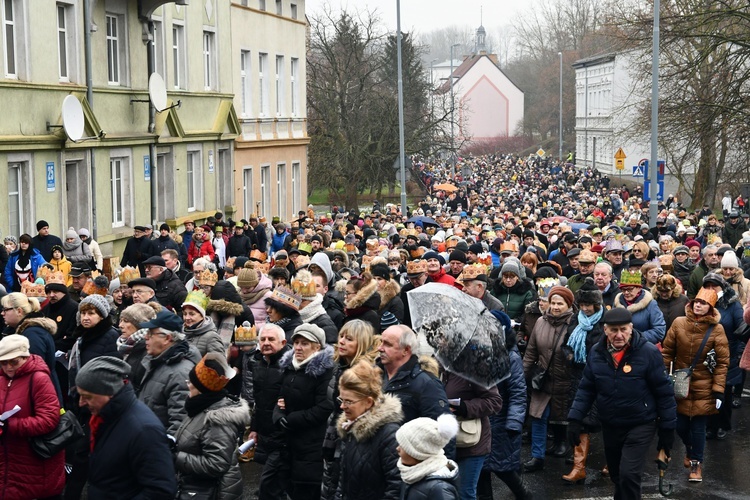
[(589, 293), (423, 437), (666, 283), (104, 375), (212, 373)]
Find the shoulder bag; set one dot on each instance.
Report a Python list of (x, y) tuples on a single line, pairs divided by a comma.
[(67, 432), (469, 432), (681, 378), (539, 372)]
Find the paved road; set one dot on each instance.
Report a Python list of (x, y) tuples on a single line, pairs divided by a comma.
[(726, 471)]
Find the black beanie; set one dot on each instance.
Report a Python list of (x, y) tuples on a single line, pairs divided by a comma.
[(476, 248), (41, 224), (381, 271), (457, 255)]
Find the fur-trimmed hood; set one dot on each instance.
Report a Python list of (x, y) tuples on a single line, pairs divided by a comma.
[(317, 366), (363, 295), (387, 411), (229, 412), (711, 319), (388, 292), (224, 308), (42, 322), (342, 255), (638, 305)]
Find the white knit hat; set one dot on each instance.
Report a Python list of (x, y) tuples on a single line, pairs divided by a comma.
[(424, 437), (729, 260)]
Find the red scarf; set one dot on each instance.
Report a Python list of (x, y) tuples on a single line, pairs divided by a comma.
[(94, 422)]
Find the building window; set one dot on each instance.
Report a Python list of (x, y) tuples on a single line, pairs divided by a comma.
[(245, 82), (247, 190), (117, 168), (293, 9), (294, 76), (279, 85), (193, 179), (263, 84), (225, 178), (116, 46), (278, 7), (296, 187), (62, 42), (178, 56), (159, 65), (209, 64), (265, 190), (262, 4), (281, 190), (17, 186), (10, 40)]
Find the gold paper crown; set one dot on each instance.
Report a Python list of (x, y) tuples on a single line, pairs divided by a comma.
[(129, 274), (207, 277), (196, 298), (545, 285), (416, 267), (263, 267), (258, 255), (44, 272), (303, 284), (287, 297), (245, 335), (471, 272), (57, 277), (366, 261), (484, 258), (587, 256), (630, 278), (708, 296), (304, 247), (32, 289), (302, 261)]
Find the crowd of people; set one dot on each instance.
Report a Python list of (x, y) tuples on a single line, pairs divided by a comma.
[(297, 338)]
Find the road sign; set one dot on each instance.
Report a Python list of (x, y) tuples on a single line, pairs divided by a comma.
[(637, 171), (541, 152), (659, 175), (147, 168), (620, 154), (50, 176), (647, 191)]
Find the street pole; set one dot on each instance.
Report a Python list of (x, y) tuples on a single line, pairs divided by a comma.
[(401, 155), (432, 104), (654, 163), (561, 139), (453, 140)]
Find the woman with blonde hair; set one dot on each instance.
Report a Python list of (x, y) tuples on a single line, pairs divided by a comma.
[(367, 429), (357, 341), (641, 251)]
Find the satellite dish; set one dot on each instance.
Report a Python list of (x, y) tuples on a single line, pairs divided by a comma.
[(72, 118), (157, 91)]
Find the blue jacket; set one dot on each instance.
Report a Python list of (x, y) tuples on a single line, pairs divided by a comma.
[(731, 319), (126, 464), (626, 398), (508, 424), (36, 260), (647, 317)]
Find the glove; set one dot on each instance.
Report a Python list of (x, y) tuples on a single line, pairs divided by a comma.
[(460, 410), (666, 440), (574, 432), (718, 395)]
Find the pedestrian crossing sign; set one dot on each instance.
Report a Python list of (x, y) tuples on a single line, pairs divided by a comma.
[(638, 171)]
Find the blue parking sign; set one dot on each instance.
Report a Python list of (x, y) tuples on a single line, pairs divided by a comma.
[(50, 176)]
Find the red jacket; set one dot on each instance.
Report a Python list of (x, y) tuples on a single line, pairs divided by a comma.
[(443, 277), (206, 249), (23, 474)]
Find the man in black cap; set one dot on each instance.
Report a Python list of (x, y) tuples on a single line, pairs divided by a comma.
[(569, 242), (625, 377), (137, 249), (144, 290), (170, 292), (239, 244), (732, 232), (456, 263), (164, 241), (43, 241), (80, 274)]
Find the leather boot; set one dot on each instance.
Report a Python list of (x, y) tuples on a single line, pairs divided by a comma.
[(696, 472), (516, 485), (580, 452), (561, 447), (484, 486)]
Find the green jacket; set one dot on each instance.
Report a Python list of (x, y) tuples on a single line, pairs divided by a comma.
[(696, 279), (515, 298)]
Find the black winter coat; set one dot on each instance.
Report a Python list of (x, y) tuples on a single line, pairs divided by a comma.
[(267, 379), (433, 487), (639, 396), (365, 305), (136, 251), (128, 465), (165, 243), (369, 455), (63, 313), (170, 291), (305, 415), (239, 245), (421, 393), (101, 340)]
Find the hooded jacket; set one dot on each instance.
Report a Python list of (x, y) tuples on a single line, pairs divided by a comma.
[(315, 313), (647, 317), (440, 485), (254, 300), (680, 347), (368, 453), (41, 331), (207, 445), (35, 259), (673, 307), (78, 252), (364, 305), (163, 388), (390, 300), (203, 337)]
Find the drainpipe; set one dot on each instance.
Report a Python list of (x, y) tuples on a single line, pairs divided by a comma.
[(148, 38), (90, 98)]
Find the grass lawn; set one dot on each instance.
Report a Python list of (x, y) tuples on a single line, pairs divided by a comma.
[(320, 197)]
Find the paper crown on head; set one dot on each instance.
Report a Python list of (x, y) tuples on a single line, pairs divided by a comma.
[(129, 274), (630, 278), (197, 299), (32, 289), (44, 272), (258, 255), (302, 261), (208, 277), (708, 296), (472, 272), (287, 297), (485, 258), (263, 267), (56, 278), (366, 261), (93, 288), (304, 247), (545, 285), (303, 285), (416, 267), (246, 334)]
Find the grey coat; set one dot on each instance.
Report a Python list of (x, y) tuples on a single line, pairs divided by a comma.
[(207, 447), (163, 388), (205, 338)]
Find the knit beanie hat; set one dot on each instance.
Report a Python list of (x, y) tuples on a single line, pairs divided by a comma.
[(114, 285), (99, 302), (424, 437), (476, 248), (511, 267), (457, 255), (138, 313), (729, 260), (42, 223), (564, 293), (589, 293), (381, 271), (72, 233), (212, 373), (247, 278), (104, 375)]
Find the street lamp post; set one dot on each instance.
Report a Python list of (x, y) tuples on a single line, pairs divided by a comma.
[(654, 167), (560, 131), (453, 141), (401, 154)]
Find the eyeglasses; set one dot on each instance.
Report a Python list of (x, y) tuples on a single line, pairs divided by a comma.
[(6, 309), (345, 403), (11, 362), (149, 334), (140, 292)]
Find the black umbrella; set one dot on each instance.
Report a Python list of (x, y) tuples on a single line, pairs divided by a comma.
[(426, 221)]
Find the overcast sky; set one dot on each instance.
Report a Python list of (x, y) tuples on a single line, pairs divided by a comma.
[(427, 15)]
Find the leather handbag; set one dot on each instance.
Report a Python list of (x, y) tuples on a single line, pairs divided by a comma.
[(469, 432), (207, 491), (538, 376), (681, 378), (67, 432)]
